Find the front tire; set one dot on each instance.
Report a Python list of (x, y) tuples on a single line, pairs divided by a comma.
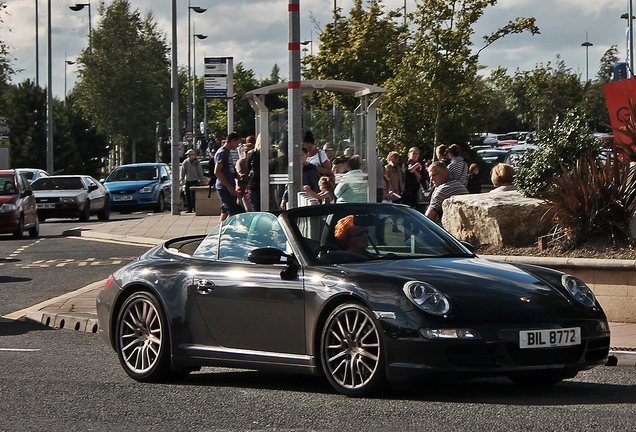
[(161, 204), (142, 342), (35, 230), (104, 215), (352, 351), (19, 232), (86, 214)]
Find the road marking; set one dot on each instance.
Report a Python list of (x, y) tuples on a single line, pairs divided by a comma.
[(19, 314), (19, 349)]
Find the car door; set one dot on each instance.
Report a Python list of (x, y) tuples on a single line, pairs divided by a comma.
[(95, 194), (249, 306), (27, 201)]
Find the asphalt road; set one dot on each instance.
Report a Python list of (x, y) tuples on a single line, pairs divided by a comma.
[(65, 380), (36, 269)]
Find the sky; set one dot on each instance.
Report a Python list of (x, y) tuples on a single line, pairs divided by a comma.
[(255, 32)]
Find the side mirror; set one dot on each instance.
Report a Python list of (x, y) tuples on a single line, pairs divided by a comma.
[(92, 188), (27, 193), (164, 178), (267, 256), (276, 256)]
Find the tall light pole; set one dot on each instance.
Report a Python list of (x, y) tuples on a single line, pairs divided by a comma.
[(194, 73), (78, 7), (630, 37), (174, 118), (199, 10), (66, 63), (587, 44), (37, 47), (49, 95)]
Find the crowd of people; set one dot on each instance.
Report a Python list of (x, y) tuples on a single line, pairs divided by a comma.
[(238, 183)]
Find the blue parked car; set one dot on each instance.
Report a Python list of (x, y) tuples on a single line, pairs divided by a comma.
[(139, 187)]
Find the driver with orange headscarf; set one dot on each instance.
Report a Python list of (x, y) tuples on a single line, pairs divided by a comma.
[(352, 238)]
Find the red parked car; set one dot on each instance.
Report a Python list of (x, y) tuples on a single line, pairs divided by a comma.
[(17, 205)]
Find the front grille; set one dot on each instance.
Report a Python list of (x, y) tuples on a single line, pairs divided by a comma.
[(481, 356), (597, 349), (545, 356)]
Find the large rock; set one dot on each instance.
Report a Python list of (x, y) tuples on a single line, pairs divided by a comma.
[(498, 219)]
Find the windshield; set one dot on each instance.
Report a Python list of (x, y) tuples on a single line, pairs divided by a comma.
[(59, 183), (7, 184), (133, 173), (345, 233)]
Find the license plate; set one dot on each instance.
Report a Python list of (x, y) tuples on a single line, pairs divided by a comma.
[(46, 206), (122, 197), (549, 338)]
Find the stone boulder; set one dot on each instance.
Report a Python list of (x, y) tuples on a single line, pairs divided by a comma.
[(497, 219)]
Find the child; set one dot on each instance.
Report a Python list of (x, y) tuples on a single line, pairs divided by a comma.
[(326, 194)]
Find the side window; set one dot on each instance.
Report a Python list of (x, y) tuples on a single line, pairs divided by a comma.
[(22, 183)]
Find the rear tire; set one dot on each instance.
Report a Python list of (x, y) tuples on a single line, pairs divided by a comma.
[(142, 340)]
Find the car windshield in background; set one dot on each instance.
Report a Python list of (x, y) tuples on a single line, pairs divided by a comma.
[(379, 232), (133, 174), (59, 183), (7, 186)]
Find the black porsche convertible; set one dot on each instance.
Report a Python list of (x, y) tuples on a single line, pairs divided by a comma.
[(364, 294)]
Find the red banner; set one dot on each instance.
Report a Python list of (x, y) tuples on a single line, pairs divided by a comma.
[(617, 95)]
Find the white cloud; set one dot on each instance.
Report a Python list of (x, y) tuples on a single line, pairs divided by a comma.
[(255, 32)]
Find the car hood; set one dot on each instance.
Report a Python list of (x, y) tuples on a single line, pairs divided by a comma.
[(7, 198), (58, 193), (478, 287), (129, 185)]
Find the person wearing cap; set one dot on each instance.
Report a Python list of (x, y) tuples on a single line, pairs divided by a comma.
[(191, 175)]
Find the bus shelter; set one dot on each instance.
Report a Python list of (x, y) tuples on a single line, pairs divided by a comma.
[(361, 138)]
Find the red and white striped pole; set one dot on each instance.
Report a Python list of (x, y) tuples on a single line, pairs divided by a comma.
[(294, 182)]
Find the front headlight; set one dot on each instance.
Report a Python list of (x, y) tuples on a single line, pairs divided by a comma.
[(427, 297), (67, 200), (8, 207), (579, 290), (146, 189)]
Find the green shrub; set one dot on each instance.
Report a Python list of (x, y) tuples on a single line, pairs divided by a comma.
[(591, 198), (567, 141)]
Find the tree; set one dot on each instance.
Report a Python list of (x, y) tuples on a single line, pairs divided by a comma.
[(5, 63), (364, 47), (124, 76), (436, 94), (540, 96)]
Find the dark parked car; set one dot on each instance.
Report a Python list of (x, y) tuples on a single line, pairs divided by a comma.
[(71, 196), (17, 205), (140, 187), (335, 290)]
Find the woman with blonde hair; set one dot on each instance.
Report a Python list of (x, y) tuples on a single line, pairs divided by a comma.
[(502, 177)]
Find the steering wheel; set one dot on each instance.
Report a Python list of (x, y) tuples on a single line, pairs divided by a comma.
[(324, 248)]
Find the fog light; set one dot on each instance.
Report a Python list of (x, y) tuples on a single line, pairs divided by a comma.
[(449, 333)]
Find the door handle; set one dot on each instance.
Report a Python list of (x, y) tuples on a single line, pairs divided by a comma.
[(205, 286)]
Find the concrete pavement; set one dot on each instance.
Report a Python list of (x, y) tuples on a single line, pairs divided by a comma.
[(76, 310)]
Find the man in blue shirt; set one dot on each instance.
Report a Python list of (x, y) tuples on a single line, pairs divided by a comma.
[(225, 173)]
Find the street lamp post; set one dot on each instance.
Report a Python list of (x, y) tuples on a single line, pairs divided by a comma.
[(49, 94), (194, 73), (174, 118), (199, 10), (66, 63), (78, 7), (630, 37), (37, 47), (587, 44)]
